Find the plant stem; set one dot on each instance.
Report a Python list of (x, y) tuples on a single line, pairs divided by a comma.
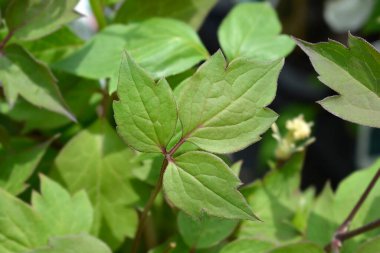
[(4, 42), (97, 9), (368, 227), (341, 232), (147, 208)]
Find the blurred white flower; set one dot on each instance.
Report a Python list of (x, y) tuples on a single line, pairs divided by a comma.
[(298, 128)]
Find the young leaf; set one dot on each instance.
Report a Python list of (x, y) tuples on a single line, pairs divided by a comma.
[(32, 19), (353, 73), (146, 114), (163, 47), (21, 74), (252, 30), (206, 232), (74, 244), (17, 165), (23, 228), (222, 108), (192, 12), (97, 161), (198, 182), (247, 246)]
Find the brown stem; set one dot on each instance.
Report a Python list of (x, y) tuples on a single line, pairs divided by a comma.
[(336, 241), (147, 208), (5, 40), (361, 230)]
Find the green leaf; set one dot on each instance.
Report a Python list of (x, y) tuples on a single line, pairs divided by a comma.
[(23, 228), (55, 46), (198, 182), (298, 248), (146, 114), (253, 30), (59, 209), (353, 73), (206, 232), (192, 12), (162, 46), (372, 246), (96, 160), (33, 19), (17, 165), (222, 107), (247, 246), (21, 74), (74, 244)]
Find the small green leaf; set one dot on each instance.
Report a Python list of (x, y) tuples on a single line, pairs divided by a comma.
[(17, 165), (353, 73), (146, 114), (206, 232), (74, 244), (97, 161), (33, 19), (247, 246), (372, 246), (198, 182), (252, 30), (163, 47), (222, 107), (189, 11), (303, 247), (24, 228), (21, 74)]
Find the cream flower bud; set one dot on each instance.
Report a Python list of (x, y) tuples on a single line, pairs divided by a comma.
[(299, 128)]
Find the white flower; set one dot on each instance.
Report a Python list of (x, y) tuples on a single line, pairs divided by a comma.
[(298, 128)]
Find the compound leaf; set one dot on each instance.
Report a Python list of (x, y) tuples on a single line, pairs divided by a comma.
[(222, 107), (353, 72), (197, 182), (146, 114)]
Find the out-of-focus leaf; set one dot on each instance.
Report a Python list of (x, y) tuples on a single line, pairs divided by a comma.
[(163, 47), (253, 30), (222, 108), (299, 248), (353, 72), (32, 19), (199, 182), (247, 246), (17, 165), (347, 15), (192, 12), (97, 161), (21, 74), (146, 115), (205, 232), (55, 46), (372, 246), (74, 244)]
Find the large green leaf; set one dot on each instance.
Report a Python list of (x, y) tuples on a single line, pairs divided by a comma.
[(353, 72), (205, 232), (98, 161), (146, 114), (21, 74), (198, 182), (17, 164), (298, 248), (253, 30), (32, 19), (190, 11), (23, 228), (222, 107), (162, 46), (247, 246), (74, 244), (372, 246)]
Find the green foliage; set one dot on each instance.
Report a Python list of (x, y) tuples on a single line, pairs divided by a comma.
[(352, 72), (59, 116)]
